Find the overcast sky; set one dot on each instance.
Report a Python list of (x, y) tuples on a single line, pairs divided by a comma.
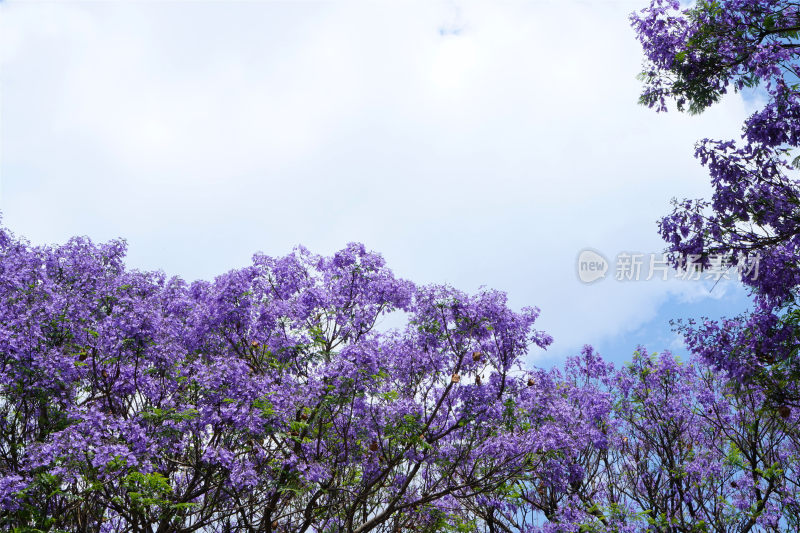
[(475, 144)]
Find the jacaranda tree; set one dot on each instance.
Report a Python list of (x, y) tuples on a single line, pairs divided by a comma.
[(693, 57), (271, 400), (266, 400), (685, 453)]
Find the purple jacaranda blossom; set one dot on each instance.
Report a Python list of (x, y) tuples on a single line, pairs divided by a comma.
[(693, 56)]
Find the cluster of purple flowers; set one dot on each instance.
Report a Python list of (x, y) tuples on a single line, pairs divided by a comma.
[(265, 400), (270, 400), (693, 56)]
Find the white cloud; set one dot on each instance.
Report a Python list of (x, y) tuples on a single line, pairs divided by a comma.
[(477, 144)]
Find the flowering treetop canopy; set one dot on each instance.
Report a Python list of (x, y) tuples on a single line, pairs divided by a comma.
[(268, 400), (140, 399), (693, 56)]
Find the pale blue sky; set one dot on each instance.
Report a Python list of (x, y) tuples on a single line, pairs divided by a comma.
[(469, 143)]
